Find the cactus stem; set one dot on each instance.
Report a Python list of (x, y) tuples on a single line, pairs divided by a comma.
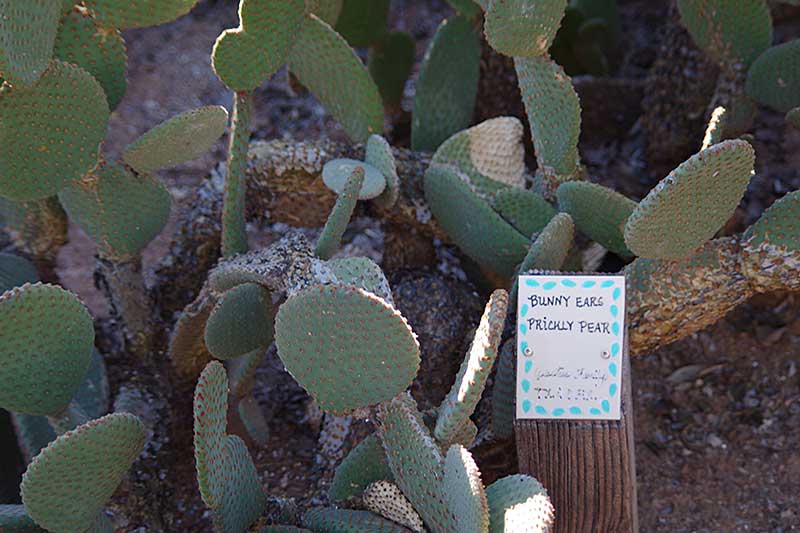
[(234, 235)]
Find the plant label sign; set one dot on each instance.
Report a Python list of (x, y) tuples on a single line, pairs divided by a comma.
[(570, 338)]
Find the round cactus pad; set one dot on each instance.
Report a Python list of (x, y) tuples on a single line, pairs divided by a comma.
[(463, 490), (774, 79), (120, 211), (523, 28), (46, 338), (778, 226), (528, 212), (379, 154), (69, 482), (362, 22), (138, 14), (386, 499), (518, 503), (345, 346), (182, 137), (27, 31), (691, 204), (50, 132), (336, 171), (240, 322)]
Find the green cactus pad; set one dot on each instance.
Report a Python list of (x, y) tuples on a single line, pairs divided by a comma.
[(252, 417), (327, 10), (774, 79), (793, 117), (365, 464), (447, 85), (210, 423), (234, 218), (464, 491), (475, 227), (242, 498), (728, 30), (333, 520), (331, 236), (778, 225), (363, 22), (460, 402), (99, 50), (468, 8), (46, 338), (324, 62), (599, 212), (504, 391), (323, 342), (490, 153), (139, 14), (15, 519), (336, 172), (66, 485), (242, 371), (379, 155), (364, 273), (240, 322), (33, 434), (187, 348), (246, 56), (554, 113), (45, 144), (284, 529), (182, 137), (523, 28), (688, 207), (16, 271), (550, 249), (518, 503), (390, 62), (120, 211), (387, 500), (528, 212), (27, 32)]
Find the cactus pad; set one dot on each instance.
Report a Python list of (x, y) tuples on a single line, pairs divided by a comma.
[(518, 503), (336, 171), (69, 482), (599, 212), (447, 85), (551, 247), (687, 207), (774, 79), (345, 346), (15, 519), (554, 113), (728, 30), (101, 51), (16, 271), (490, 153), (46, 338), (475, 227), (364, 273), (362, 22), (45, 144), (240, 322), (138, 14), (365, 464), (242, 498), (332, 520), (504, 390), (464, 491), (27, 32), (379, 155), (187, 348), (324, 62), (120, 211), (460, 402), (182, 137), (778, 225), (415, 461), (331, 236), (390, 63), (386, 499), (327, 10), (523, 28), (528, 212), (284, 529)]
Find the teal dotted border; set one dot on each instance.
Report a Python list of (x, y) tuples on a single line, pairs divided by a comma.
[(613, 367)]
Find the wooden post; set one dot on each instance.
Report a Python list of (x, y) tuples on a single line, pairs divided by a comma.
[(588, 467)]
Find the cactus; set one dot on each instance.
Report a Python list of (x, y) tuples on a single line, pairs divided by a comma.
[(14, 519), (234, 231), (378, 154), (364, 465), (327, 10), (518, 503), (138, 14), (386, 499), (523, 28), (362, 22), (589, 33), (528, 212), (240, 322), (27, 33), (15, 271), (464, 491), (331, 520), (337, 172), (331, 235), (774, 78), (390, 62)]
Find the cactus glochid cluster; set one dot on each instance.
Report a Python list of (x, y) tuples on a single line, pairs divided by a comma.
[(98, 449)]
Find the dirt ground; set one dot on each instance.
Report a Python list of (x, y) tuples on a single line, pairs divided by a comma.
[(717, 416)]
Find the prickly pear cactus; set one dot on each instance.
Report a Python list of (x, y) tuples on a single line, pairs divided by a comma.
[(27, 33)]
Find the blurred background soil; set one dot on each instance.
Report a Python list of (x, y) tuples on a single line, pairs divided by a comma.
[(717, 416)]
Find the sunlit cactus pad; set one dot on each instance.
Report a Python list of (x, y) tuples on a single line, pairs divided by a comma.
[(447, 85), (246, 56), (464, 492), (691, 204), (68, 483), (524, 209), (139, 13), (523, 28), (336, 171), (599, 212), (365, 464), (27, 32), (332, 520), (99, 50), (121, 212), (345, 346), (50, 132), (324, 62), (362, 272), (774, 79), (387, 500), (182, 137), (728, 30), (519, 503), (46, 338), (240, 322)]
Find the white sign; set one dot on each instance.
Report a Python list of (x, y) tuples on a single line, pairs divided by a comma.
[(569, 346)]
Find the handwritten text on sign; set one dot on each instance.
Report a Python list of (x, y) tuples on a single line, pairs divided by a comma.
[(569, 346)]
